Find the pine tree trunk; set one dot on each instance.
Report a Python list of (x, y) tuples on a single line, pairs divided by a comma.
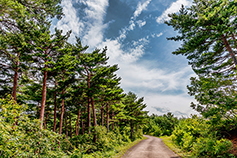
[(43, 97), (227, 45), (70, 124), (94, 113), (15, 77), (62, 112), (15, 84), (89, 103), (107, 117), (55, 107), (82, 123), (102, 116), (77, 123), (113, 119), (45, 121), (89, 115), (94, 118), (66, 129), (233, 37)]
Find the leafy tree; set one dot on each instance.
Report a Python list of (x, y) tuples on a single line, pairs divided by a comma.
[(160, 125), (134, 111), (208, 31), (216, 97), (18, 19)]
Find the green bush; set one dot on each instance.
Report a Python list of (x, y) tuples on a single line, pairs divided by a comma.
[(196, 135), (22, 137), (211, 147), (160, 125), (105, 141)]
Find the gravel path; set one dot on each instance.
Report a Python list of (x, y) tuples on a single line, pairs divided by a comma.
[(152, 147)]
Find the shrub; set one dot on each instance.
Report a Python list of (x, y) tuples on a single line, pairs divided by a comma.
[(196, 135), (211, 147), (22, 137), (161, 125), (105, 141)]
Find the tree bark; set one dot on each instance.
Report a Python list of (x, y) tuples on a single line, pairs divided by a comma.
[(94, 118), (89, 115), (107, 117), (70, 124), (62, 111), (61, 118), (102, 116), (77, 123), (45, 121), (66, 129), (15, 77), (227, 45), (43, 97), (94, 113), (55, 107), (113, 119), (82, 123)]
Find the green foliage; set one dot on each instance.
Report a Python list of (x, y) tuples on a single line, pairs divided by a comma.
[(161, 125), (105, 141), (21, 137), (196, 135), (208, 31), (134, 113), (211, 147)]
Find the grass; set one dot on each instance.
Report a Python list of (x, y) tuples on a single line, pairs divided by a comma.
[(123, 149), (118, 151), (167, 140)]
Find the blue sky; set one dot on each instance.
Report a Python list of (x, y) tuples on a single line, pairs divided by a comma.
[(135, 35)]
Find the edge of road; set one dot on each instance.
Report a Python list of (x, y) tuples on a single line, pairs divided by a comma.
[(168, 142)]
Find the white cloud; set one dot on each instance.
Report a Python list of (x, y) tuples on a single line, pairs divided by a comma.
[(140, 8), (118, 56), (95, 13), (174, 7), (137, 12), (91, 27), (141, 23), (131, 26), (177, 104), (160, 34), (70, 21)]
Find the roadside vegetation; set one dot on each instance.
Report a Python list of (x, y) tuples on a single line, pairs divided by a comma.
[(207, 30), (58, 99)]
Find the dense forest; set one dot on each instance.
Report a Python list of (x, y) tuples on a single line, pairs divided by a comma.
[(59, 100)]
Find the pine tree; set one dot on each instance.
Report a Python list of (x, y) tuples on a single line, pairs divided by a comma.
[(17, 19), (134, 111), (208, 31)]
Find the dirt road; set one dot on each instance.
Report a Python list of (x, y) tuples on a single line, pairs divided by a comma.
[(152, 147)]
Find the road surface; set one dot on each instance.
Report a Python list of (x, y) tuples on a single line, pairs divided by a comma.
[(152, 147)]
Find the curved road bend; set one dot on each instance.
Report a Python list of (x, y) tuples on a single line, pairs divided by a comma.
[(152, 147)]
